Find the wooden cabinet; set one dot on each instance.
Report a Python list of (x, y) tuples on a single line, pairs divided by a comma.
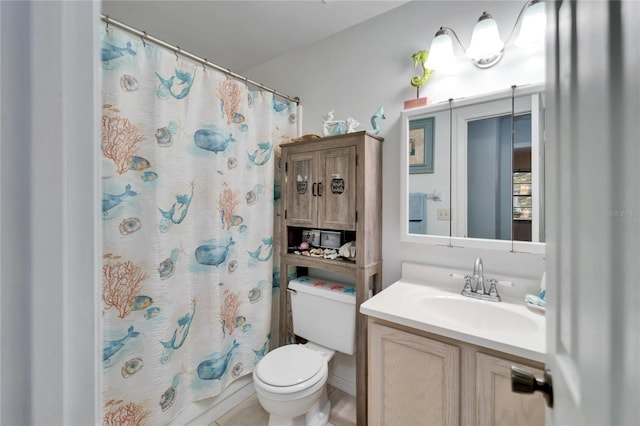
[(496, 404), (420, 378), (321, 190), (335, 184)]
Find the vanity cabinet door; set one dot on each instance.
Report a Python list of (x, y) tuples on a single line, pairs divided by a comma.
[(413, 380), (496, 404)]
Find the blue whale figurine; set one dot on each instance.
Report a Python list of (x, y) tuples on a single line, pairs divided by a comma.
[(115, 345), (211, 140), (109, 51), (214, 368), (109, 201), (214, 255)]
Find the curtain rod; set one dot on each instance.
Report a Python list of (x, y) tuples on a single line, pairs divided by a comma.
[(177, 50)]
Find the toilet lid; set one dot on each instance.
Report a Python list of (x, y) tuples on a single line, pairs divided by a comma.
[(289, 365)]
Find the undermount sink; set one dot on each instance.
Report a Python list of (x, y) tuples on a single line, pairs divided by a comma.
[(478, 314)]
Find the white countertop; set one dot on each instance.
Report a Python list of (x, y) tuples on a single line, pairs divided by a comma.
[(507, 326)]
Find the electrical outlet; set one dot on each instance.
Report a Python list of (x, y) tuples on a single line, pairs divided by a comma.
[(444, 214)]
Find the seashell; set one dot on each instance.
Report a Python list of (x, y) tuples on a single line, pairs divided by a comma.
[(255, 294), (236, 369), (128, 83), (251, 198), (233, 265), (242, 228), (166, 268), (130, 225), (232, 163), (348, 250), (167, 398), (292, 118), (131, 367), (316, 252), (246, 328), (244, 127), (163, 137)]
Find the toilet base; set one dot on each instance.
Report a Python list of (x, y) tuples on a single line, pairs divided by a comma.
[(317, 415)]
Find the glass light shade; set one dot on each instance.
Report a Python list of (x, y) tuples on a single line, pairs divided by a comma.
[(533, 25), (440, 52), (485, 41)]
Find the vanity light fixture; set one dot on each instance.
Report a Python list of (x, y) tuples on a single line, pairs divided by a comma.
[(486, 47)]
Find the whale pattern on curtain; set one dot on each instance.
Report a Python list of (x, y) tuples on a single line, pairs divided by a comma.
[(189, 195)]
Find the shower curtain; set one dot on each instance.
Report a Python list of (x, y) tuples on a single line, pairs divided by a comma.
[(189, 160)]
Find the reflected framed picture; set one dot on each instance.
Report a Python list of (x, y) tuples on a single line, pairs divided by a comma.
[(421, 145)]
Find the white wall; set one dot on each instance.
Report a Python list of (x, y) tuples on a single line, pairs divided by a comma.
[(359, 69)]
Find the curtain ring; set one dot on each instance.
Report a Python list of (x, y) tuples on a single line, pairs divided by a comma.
[(144, 43), (176, 52), (106, 19), (204, 68), (228, 73)]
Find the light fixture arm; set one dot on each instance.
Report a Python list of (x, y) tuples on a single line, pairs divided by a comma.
[(515, 25), (444, 30)]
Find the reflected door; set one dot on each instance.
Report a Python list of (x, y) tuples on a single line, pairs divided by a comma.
[(494, 211)]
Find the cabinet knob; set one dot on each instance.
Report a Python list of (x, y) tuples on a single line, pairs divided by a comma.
[(523, 381)]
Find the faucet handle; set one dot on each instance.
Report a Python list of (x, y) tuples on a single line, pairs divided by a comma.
[(493, 291), (467, 285)]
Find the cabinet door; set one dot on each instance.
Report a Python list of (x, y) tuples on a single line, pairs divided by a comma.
[(413, 380), (301, 189), (337, 189), (496, 404)]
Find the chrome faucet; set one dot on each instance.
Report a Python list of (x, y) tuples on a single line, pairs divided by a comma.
[(478, 275), (478, 278)]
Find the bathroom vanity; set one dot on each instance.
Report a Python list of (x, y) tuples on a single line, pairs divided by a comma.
[(332, 186), (436, 357)]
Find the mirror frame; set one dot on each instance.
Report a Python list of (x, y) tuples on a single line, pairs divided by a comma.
[(450, 241)]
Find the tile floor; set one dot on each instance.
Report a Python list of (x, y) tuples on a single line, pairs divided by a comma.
[(250, 413)]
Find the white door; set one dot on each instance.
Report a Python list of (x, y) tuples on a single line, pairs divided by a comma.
[(593, 205)]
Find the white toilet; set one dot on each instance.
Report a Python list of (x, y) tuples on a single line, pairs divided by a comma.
[(290, 381)]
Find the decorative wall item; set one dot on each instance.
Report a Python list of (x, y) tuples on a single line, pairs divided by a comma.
[(188, 225), (419, 81), (379, 114), (421, 146)]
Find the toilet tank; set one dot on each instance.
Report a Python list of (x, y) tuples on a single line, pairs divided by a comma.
[(324, 312)]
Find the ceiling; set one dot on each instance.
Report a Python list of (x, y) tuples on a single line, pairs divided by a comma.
[(239, 35)]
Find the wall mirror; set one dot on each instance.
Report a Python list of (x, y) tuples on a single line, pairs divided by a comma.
[(485, 184)]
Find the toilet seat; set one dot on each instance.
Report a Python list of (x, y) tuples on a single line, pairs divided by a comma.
[(290, 365)]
